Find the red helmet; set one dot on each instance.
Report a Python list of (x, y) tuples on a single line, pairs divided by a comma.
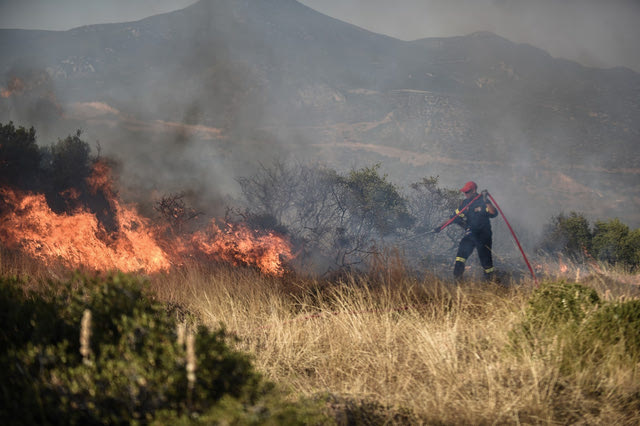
[(469, 186)]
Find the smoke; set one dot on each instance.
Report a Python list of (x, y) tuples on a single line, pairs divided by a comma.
[(234, 85)]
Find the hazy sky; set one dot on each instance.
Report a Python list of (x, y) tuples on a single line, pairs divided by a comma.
[(600, 33)]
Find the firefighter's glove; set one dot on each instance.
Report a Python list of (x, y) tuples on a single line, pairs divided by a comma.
[(485, 195)]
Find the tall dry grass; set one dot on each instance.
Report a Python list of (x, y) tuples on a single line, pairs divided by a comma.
[(388, 348), (422, 351)]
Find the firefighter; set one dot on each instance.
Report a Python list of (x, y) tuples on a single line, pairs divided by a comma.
[(477, 235)]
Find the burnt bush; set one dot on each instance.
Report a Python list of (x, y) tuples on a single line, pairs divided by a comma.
[(342, 220)]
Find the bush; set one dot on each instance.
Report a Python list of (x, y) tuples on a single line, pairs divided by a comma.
[(614, 243), (611, 242), (371, 200), (19, 156), (569, 235), (560, 304), (555, 310), (334, 218), (106, 353), (614, 324), (570, 321)]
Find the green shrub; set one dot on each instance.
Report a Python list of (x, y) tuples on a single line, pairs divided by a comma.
[(68, 162), (569, 235), (554, 313), (19, 156), (560, 304), (373, 201), (615, 243), (614, 324), (612, 242), (570, 323), (131, 367)]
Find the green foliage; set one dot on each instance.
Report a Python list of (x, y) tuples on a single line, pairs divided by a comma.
[(570, 235), (558, 305), (67, 162), (23, 164), (19, 156), (131, 367), (582, 331), (613, 242), (371, 198), (614, 324)]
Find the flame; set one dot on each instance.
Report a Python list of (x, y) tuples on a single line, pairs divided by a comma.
[(562, 266), (78, 238), (101, 180), (239, 245), (15, 86)]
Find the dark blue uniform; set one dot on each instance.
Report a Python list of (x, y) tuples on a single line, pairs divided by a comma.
[(476, 222)]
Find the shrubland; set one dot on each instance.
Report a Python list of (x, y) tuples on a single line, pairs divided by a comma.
[(378, 341), (378, 348)]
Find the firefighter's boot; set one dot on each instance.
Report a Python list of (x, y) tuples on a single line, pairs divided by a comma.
[(490, 274), (458, 269)]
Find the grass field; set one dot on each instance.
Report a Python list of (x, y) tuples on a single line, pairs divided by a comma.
[(387, 348), (394, 349)]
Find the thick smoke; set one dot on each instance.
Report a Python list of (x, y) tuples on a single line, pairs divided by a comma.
[(234, 85)]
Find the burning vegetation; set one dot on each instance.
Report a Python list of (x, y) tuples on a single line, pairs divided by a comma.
[(59, 205)]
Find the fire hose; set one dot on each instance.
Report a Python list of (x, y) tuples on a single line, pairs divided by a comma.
[(533, 275), (447, 223), (450, 221)]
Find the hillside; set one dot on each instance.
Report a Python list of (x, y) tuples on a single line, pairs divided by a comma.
[(202, 93)]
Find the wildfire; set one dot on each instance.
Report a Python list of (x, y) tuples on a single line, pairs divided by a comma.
[(79, 239), (15, 86), (239, 245), (562, 266)]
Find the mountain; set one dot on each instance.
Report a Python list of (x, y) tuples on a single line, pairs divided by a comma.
[(235, 81)]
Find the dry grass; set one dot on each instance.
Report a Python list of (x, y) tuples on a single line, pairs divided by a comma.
[(441, 354), (417, 351)]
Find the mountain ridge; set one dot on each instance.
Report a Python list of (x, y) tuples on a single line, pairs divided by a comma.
[(277, 77)]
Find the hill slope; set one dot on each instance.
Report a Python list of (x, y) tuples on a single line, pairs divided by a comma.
[(238, 80)]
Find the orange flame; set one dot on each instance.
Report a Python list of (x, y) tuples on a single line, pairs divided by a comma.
[(240, 245), (16, 86), (79, 239), (101, 180), (75, 239), (562, 266)]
